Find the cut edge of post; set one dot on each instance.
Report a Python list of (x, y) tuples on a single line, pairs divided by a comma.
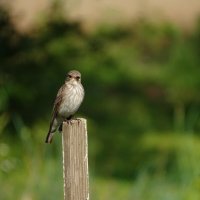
[(86, 150), (63, 161)]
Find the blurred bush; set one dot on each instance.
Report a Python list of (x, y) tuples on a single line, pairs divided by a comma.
[(142, 103)]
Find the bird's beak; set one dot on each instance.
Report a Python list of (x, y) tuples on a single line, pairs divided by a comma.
[(73, 80)]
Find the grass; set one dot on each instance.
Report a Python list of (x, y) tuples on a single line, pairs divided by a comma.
[(34, 171)]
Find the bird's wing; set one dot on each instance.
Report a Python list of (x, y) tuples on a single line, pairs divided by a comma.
[(56, 106)]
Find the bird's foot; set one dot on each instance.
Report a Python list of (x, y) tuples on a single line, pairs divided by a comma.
[(68, 119), (79, 120), (72, 121)]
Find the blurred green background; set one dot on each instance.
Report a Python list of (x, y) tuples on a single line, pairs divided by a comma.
[(142, 103)]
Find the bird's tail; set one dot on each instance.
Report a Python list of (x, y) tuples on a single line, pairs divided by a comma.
[(49, 137)]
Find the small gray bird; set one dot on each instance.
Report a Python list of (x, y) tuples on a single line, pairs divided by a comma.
[(67, 102)]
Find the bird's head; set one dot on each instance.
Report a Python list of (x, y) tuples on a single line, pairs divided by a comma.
[(73, 77)]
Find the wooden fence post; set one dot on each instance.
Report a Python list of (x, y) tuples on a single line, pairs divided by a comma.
[(75, 160)]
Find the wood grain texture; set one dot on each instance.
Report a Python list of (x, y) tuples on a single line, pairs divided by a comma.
[(75, 160)]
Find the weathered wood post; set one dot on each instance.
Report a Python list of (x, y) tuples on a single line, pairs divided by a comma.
[(75, 160)]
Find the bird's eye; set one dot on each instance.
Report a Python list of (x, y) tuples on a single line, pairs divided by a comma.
[(78, 78), (69, 76)]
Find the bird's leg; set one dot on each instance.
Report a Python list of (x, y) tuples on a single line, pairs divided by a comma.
[(70, 117), (68, 120)]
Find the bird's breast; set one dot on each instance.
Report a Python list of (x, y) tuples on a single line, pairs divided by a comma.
[(72, 98)]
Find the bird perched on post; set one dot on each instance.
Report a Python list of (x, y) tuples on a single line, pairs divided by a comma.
[(67, 102)]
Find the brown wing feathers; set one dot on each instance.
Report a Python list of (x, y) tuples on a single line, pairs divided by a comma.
[(56, 106)]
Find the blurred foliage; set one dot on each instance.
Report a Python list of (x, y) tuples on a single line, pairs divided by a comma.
[(142, 103)]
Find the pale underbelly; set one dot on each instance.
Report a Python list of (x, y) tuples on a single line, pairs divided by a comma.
[(69, 107)]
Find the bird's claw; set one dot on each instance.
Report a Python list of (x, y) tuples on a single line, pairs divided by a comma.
[(79, 120), (72, 121)]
